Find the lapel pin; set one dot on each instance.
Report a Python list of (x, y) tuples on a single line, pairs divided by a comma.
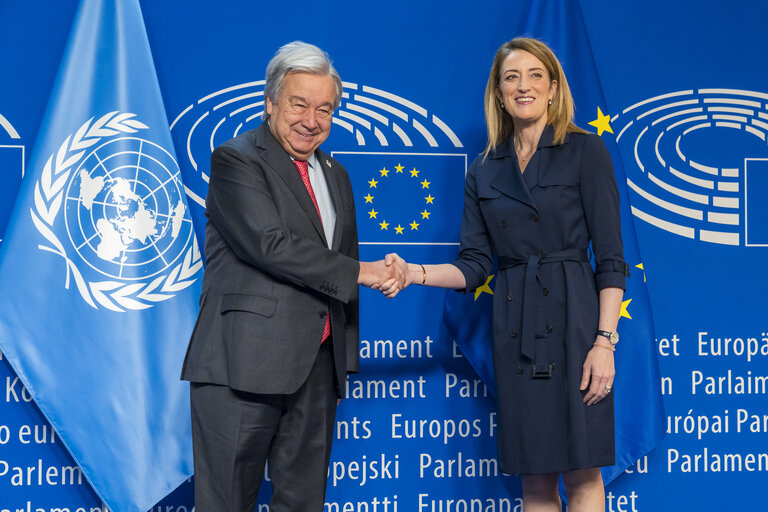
[(328, 163)]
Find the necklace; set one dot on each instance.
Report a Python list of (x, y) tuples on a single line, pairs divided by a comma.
[(523, 157)]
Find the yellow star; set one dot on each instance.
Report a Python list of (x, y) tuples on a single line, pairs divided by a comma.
[(425, 184), (384, 172), (640, 266), (373, 213), (414, 173), (368, 198), (602, 123), (399, 229), (429, 199), (485, 288), (624, 307), (425, 214), (399, 168), (373, 183), (384, 225), (414, 225)]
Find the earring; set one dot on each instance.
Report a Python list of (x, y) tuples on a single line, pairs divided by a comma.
[(502, 105), (550, 102)]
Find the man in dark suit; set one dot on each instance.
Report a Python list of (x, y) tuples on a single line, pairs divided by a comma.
[(278, 325)]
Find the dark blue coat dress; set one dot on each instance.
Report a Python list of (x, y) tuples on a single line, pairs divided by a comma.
[(539, 225)]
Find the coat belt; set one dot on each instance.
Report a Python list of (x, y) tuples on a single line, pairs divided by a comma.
[(532, 347)]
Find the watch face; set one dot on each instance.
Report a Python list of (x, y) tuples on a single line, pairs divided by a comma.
[(614, 337)]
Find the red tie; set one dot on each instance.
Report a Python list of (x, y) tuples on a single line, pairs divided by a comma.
[(303, 168)]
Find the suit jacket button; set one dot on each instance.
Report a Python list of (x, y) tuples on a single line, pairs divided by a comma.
[(323, 314), (510, 296), (545, 291), (534, 217), (520, 370), (549, 329), (503, 223), (513, 333)]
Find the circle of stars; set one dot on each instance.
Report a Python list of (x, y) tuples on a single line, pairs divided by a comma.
[(419, 219)]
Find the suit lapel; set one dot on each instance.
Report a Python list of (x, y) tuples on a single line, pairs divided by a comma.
[(334, 189), (276, 156)]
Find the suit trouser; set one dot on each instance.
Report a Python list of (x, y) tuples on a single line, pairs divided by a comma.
[(234, 433)]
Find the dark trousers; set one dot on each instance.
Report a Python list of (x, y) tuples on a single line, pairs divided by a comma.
[(234, 433)]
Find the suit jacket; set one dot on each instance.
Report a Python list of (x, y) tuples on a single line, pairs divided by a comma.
[(270, 279)]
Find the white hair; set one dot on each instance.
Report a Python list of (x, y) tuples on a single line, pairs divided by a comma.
[(302, 57)]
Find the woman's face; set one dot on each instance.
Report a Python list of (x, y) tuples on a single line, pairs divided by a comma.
[(525, 88)]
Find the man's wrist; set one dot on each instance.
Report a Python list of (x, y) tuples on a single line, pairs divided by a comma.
[(362, 275)]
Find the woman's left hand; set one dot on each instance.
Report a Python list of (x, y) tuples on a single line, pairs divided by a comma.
[(597, 373)]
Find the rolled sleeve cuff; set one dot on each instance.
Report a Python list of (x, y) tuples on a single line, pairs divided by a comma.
[(612, 273), (472, 277)]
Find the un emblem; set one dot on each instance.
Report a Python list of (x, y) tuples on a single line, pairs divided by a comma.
[(128, 238)]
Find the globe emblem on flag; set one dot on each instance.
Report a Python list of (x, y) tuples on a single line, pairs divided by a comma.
[(125, 213), (129, 241)]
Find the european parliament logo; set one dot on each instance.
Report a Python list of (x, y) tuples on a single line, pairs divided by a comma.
[(394, 150), (702, 164), (111, 204), (12, 164)]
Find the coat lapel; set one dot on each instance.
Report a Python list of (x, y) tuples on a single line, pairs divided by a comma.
[(276, 156), (547, 159), (508, 179)]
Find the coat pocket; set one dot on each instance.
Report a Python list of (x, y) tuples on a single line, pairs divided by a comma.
[(251, 303)]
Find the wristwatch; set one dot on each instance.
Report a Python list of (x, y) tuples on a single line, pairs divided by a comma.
[(612, 336)]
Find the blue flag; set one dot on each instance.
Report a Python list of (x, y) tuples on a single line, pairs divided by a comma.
[(404, 197), (639, 412), (100, 270)]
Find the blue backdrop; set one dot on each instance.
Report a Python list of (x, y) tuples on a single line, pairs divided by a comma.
[(688, 108)]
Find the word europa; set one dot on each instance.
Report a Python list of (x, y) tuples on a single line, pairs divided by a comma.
[(750, 347)]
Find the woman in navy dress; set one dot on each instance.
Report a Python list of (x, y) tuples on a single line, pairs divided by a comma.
[(537, 197)]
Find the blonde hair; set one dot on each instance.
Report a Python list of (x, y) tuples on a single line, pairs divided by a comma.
[(560, 112)]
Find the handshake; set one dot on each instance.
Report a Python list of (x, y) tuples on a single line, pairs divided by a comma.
[(389, 275)]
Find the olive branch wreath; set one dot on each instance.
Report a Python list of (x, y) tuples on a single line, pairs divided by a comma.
[(49, 195)]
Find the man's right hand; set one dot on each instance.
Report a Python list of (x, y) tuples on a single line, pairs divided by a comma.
[(375, 274)]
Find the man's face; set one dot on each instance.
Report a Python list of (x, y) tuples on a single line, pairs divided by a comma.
[(301, 119)]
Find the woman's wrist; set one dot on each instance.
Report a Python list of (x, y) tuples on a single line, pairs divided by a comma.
[(603, 344), (417, 273)]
